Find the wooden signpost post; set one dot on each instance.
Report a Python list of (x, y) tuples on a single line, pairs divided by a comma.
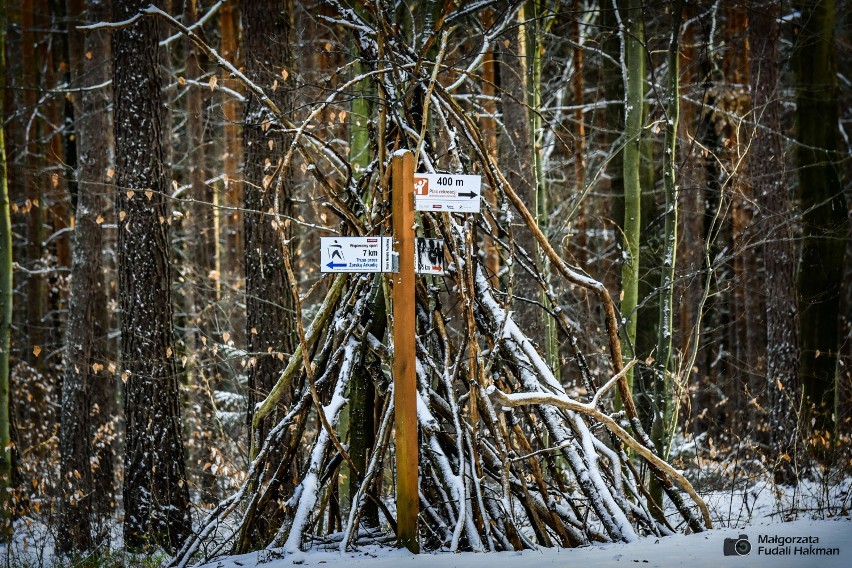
[(435, 193), (404, 352)]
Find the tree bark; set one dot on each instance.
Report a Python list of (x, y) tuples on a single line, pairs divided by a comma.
[(770, 188), (825, 222), (5, 309), (634, 50), (88, 390), (269, 307), (269, 303), (519, 161), (156, 499), (233, 194)]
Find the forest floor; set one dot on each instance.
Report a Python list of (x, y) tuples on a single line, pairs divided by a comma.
[(694, 551), (758, 509)]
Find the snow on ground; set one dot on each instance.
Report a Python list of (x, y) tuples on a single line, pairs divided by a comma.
[(757, 511), (694, 551)]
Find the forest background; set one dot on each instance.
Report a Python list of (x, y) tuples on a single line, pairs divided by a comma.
[(665, 201)]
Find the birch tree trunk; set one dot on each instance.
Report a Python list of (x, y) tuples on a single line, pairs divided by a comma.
[(156, 498)]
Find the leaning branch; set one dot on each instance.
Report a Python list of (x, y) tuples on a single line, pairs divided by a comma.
[(562, 401)]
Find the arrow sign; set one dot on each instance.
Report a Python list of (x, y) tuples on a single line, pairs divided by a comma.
[(447, 192), (429, 256), (356, 254)]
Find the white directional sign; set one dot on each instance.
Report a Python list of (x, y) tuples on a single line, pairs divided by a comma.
[(356, 254), (446, 192), (429, 256)]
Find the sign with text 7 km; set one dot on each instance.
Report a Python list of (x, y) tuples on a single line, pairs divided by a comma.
[(447, 193), (356, 254)]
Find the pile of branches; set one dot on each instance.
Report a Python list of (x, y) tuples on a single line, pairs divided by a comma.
[(508, 459)]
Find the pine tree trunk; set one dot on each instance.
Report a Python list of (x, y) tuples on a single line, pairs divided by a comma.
[(156, 499), (611, 78), (233, 194), (32, 131), (269, 306), (825, 214), (518, 159), (770, 188), (269, 302), (88, 390), (488, 125)]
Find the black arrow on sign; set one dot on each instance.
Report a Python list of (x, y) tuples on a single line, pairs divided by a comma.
[(468, 194)]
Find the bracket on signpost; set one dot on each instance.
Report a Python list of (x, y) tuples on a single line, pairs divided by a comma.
[(404, 352)]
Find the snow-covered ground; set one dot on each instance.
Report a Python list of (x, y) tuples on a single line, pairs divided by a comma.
[(694, 551), (758, 511)]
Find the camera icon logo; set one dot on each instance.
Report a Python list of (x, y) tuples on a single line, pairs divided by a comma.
[(737, 546)]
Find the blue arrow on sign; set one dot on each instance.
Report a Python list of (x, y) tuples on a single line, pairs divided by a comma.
[(334, 265)]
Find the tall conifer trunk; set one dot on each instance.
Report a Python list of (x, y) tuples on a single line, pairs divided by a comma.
[(824, 208), (269, 302), (770, 188), (88, 390), (156, 498)]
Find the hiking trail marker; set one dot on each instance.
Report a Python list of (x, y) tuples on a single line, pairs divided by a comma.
[(356, 254), (429, 256), (447, 192)]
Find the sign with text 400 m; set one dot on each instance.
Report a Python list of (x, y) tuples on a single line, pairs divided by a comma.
[(447, 192), (356, 254)]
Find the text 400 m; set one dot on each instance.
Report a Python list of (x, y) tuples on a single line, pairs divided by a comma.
[(448, 181)]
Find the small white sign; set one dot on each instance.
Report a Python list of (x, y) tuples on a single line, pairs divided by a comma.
[(447, 192), (429, 256), (356, 254)]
